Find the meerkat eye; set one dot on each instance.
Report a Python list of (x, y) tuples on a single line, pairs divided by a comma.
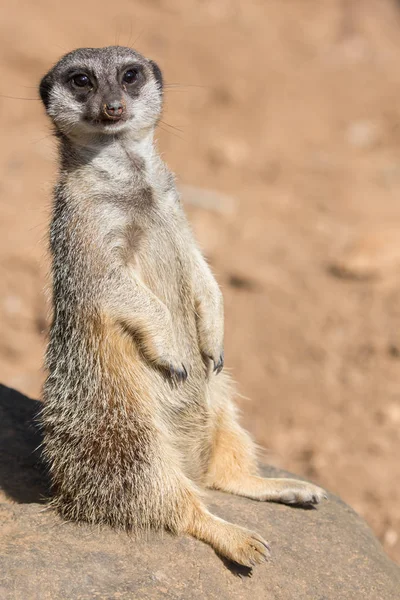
[(130, 76), (81, 80)]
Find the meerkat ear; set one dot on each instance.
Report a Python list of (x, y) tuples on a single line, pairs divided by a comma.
[(44, 89), (157, 74)]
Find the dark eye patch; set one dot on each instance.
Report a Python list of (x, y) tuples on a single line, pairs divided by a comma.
[(130, 76), (81, 80)]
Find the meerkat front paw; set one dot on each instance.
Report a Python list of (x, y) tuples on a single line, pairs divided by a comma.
[(212, 347), (211, 331), (173, 368), (218, 361)]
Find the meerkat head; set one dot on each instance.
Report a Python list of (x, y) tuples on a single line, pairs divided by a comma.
[(109, 90)]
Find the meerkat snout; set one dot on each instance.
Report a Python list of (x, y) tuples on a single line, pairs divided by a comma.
[(114, 109), (112, 90)]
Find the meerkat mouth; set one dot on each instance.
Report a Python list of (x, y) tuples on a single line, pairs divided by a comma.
[(108, 120), (107, 124), (111, 122)]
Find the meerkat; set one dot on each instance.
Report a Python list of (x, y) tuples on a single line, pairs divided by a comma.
[(138, 414)]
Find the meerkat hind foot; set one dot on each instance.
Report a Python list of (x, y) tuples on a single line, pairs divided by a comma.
[(290, 491), (230, 541), (281, 490), (244, 547)]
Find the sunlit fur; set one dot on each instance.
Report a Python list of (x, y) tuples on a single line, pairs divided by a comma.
[(128, 440)]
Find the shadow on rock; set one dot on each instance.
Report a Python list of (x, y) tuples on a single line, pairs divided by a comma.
[(22, 476)]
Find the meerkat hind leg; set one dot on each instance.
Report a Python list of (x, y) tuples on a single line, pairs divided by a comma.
[(233, 468), (190, 516), (183, 512), (231, 541)]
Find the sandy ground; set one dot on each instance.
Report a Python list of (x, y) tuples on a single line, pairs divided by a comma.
[(291, 109)]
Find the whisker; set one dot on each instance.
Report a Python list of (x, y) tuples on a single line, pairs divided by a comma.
[(173, 89), (130, 33), (183, 85), (62, 48), (172, 126), (19, 98), (138, 37), (170, 132), (48, 136)]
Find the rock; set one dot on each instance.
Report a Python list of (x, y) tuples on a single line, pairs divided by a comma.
[(327, 553)]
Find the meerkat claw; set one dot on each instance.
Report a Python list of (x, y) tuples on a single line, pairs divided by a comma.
[(178, 374), (218, 366)]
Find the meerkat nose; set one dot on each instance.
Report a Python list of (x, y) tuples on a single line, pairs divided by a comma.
[(114, 109)]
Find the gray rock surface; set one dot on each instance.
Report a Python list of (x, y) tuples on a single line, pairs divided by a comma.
[(324, 554)]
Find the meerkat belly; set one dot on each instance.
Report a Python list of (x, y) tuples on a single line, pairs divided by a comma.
[(165, 268)]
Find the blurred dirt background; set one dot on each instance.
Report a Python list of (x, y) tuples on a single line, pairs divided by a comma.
[(289, 111)]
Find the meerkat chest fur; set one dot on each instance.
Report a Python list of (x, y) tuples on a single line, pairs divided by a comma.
[(139, 213), (127, 197)]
